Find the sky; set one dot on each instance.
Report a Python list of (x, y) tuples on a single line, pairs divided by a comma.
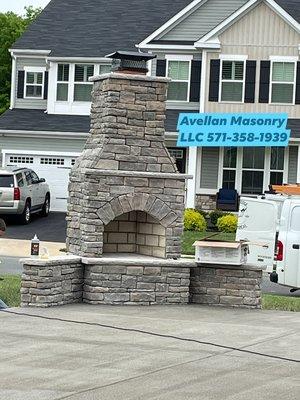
[(17, 6)]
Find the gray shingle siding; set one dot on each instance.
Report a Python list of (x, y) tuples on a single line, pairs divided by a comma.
[(209, 168), (203, 20)]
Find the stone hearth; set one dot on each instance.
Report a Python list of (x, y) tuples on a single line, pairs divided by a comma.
[(126, 194)]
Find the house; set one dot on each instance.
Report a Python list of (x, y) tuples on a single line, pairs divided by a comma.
[(222, 56)]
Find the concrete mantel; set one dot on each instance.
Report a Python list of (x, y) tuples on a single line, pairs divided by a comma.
[(138, 260), (131, 77), (137, 174), (48, 262)]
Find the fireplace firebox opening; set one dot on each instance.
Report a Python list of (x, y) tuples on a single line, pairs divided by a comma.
[(135, 232)]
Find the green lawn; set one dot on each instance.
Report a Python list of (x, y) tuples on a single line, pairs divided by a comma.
[(10, 290), (282, 303), (190, 237)]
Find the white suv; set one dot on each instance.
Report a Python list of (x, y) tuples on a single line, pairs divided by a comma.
[(23, 193)]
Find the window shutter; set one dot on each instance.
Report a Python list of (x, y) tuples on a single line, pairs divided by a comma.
[(195, 81), (20, 89), (161, 66), (298, 84), (46, 85), (214, 80), (250, 82), (264, 83)]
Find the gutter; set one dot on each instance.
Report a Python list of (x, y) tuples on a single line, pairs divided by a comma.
[(44, 134)]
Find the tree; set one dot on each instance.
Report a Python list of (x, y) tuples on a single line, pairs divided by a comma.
[(11, 28)]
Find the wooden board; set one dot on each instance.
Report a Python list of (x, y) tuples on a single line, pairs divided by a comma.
[(210, 243), (287, 189)]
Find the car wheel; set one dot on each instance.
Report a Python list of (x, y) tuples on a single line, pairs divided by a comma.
[(26, 215), (46, 207)]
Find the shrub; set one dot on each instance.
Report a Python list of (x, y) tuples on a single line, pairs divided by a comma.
[(227, 223), (204, 213), (215, 215), (194, 221)]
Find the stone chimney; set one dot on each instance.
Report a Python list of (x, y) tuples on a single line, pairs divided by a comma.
[(125, 193)]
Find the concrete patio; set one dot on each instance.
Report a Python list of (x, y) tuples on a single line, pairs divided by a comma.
[(47, 358)]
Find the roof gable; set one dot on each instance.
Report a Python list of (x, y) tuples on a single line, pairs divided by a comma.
[(236, 16)]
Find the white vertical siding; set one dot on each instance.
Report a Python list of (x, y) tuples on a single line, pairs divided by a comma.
[(259, 34)]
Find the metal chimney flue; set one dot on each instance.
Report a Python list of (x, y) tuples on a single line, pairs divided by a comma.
[(129, 62)]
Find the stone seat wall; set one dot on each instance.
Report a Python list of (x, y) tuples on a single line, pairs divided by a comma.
[(137, 280)]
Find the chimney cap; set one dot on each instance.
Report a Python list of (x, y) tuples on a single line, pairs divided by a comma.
[(131, 55)]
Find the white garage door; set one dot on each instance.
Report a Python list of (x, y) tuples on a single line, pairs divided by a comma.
[(54, 168)]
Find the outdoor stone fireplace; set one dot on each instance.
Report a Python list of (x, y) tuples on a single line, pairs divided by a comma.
[(126, 195), (125, 216)]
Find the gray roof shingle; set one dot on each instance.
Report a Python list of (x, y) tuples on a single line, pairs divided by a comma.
[(39, 121), (94, 28)]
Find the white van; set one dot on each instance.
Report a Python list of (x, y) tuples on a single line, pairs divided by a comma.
[(272, 224)]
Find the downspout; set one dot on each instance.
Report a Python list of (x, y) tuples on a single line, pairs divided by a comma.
[(13, 81), (193, 151)]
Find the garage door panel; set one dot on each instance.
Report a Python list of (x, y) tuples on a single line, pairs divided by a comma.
[(54, 169)]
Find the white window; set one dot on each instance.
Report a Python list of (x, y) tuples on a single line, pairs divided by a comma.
[(52, 161), (277, 165), (232, 83), (253, 170), (34, 84), (283, 82), (229, 167), (62, 90), (82, 86), (21, 159), (179, 72), (250, 170)]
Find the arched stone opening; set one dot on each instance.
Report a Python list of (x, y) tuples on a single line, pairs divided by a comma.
[(135, 232)]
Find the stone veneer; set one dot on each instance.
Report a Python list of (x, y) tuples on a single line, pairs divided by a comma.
[(143, 282), (125, 166), (226, 285), (54, 282), (140, 281), (206, 202)]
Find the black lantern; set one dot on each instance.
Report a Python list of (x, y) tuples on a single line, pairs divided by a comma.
[(130, 62)]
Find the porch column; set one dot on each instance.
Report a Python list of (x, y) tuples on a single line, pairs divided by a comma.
[(191, 183)]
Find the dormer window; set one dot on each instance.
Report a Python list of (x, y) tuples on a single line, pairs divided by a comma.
[(82, 86), (34, 84)]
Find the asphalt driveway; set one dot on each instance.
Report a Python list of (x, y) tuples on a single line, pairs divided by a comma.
[(75, 352), (50, 229)]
